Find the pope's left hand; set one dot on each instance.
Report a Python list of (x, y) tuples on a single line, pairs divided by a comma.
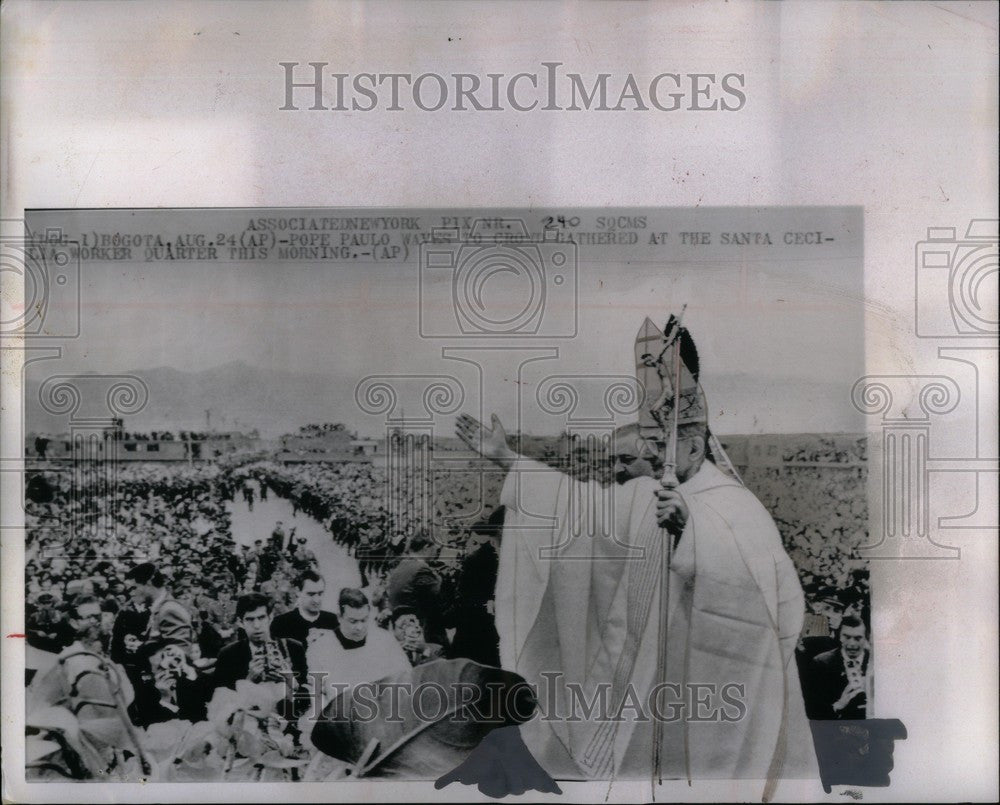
[(671, 510)]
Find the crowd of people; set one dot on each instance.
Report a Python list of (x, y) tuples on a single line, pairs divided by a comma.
[(426, 584), (157, 585), (156, 582), (79, 540)]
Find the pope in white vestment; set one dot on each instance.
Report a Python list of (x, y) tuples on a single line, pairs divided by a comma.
[(579, 612)]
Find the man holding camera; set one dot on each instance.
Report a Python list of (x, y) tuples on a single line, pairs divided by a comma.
[(410, 634), (838, 680), (172, 686), (256, 655)]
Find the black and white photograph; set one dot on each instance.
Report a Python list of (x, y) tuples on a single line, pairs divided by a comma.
[(532, 401), (373, 493)]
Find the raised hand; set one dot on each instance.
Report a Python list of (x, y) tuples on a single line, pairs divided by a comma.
[(489, 443)]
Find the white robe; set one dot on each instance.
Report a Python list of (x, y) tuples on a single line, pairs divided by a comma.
[(380, 656), (583, 602)]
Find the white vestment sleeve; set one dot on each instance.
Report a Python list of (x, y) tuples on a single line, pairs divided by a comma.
[(791, 606), (556, 525), (531, 495)]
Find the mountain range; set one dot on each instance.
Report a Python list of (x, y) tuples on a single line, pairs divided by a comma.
[(237, 396)]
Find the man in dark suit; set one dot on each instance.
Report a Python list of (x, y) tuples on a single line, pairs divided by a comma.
[(837, 680), (131, 619), (471, 614), (258, 656), (308, 618), (277, 543), (415, 584), (47, 629)]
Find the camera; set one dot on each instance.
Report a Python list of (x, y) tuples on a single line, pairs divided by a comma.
[(497, 281), (49, 269), (956, 282)]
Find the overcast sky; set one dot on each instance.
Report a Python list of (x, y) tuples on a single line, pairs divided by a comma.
[(786, 320)]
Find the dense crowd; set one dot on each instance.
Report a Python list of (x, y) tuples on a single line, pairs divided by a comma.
[(155, 585), (79, 539), (815, 491), (119, 576)]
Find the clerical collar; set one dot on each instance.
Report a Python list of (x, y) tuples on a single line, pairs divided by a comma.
[(346, 642)]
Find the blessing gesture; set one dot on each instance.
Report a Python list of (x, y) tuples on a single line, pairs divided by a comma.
[(490, 443)]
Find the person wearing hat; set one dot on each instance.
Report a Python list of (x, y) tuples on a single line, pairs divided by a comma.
[(45, 628), (221, 607), (292, 542), (132, 618), (636, 592), (169, 619)]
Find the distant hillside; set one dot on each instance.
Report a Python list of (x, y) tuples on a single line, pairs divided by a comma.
[(239, 397), (244, 397)]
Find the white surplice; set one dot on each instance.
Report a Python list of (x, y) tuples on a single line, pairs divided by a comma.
[(380, 656), (578, 604)]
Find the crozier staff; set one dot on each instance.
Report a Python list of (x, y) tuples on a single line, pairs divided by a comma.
[(591, 630)]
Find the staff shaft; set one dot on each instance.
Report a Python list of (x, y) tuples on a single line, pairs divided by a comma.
[(667, 550)]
